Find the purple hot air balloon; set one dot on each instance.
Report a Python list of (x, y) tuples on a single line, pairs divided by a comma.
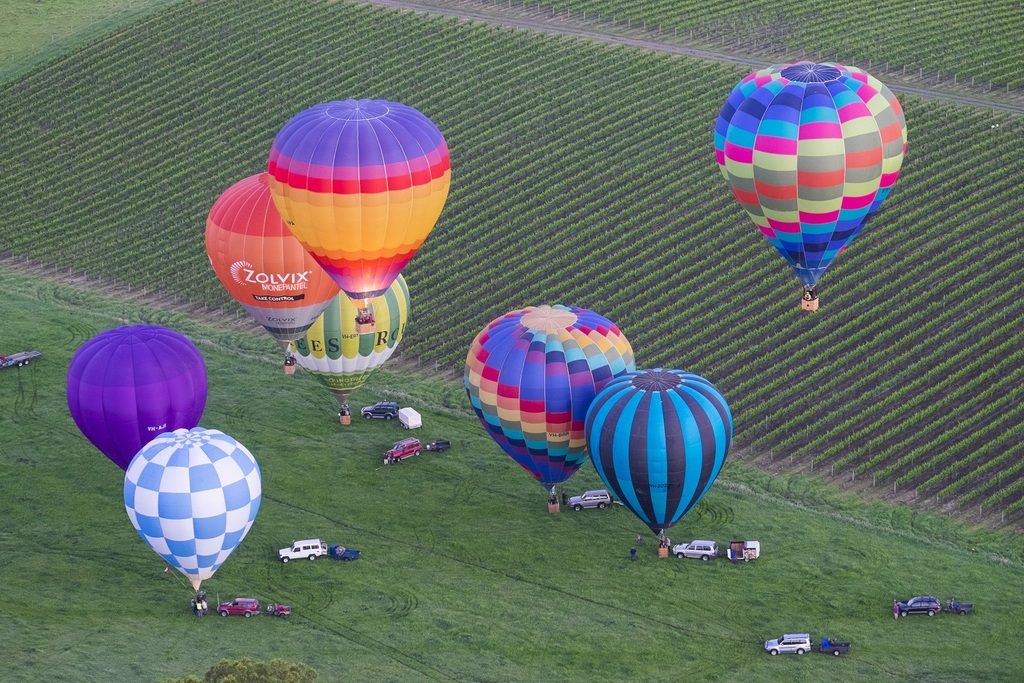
[(132, 383)]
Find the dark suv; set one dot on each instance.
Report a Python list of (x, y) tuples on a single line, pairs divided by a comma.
[(382, 410), (924, 604)]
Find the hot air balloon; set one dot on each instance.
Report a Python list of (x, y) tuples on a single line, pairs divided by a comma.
[(658, 438), (262, 265), (192, 495), (809, 151), (361, 184), (341, 357), (531, 375), (127, 385)]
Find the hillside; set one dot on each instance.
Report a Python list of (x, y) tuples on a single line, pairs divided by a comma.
[(464, 574), (583, 174)]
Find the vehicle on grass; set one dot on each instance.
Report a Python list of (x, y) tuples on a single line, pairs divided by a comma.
[(381, 410), (239, 606), (400, 450), (409, 418), (743, 550), (957, 607), (437, 445), (598, 498), (340, 552), (279, 610), (308, 549), (16, 360), (833, 647), (922, 604), (788, 643), (698, 550)]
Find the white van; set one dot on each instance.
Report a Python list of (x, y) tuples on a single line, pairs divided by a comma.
[(309, 549)]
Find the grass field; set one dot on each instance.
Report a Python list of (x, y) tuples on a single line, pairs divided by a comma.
[(33, 32), (584, 174), (464, 574)]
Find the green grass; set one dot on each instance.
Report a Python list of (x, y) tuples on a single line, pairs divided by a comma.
[(464, 574), (583, 173), (36, 31)]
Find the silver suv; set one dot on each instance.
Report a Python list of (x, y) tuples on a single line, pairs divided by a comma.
[(702, 550), (591, 499), (789, 643)]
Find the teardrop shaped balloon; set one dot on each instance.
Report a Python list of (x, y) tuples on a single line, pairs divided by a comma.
[(339, 355), (192, 496), (261, 264), (809, 151), (361, 184), (127, 385), (531, 375), (658, 439)]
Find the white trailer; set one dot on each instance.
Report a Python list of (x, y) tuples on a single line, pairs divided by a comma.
[(409, 418)]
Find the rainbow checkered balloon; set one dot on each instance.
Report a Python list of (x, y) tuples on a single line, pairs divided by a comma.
[(531, 375), (810, 151), (192, 495)]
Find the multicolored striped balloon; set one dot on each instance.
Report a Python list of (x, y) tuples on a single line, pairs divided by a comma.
[(531, 375), (659, 438), (192, 496), (361, 184), (342, 358), (261, 264), (809, 151)]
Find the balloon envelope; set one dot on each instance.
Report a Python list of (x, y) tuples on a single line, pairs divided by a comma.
[(192, 495), (342, 358), (809, 150), (658, 439), (361, 184), (531, 375), (129, 384), (261, 264)]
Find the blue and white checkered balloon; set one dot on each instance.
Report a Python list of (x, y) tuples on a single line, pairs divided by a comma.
[(192, 494)]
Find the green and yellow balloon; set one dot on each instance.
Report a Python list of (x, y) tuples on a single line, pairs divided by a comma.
[(342, 358)]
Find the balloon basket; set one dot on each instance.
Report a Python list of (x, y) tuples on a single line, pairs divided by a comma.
[(662, 551), (289, 369), (365, 328), (345, 419), (553, 507), (809, 304)]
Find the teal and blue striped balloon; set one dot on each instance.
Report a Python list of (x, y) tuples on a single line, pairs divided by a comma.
[(658, 438)]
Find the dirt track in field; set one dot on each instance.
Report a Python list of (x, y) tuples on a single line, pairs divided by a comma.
[(541, 21)]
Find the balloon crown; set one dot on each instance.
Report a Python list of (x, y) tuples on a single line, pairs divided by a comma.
[(809, 72), (657, 380)]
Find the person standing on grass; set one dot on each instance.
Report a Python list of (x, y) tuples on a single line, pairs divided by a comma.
[(639, 539), (895, 609)]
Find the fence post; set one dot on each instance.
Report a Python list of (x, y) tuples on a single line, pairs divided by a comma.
[(853, 475)]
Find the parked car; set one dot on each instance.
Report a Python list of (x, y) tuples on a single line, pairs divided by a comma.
[(957, 607), (309, 549), (406, 448), (381, 410), (923, 604), (340, 552), (789, 643), (699, 550), (833, 647), (591, 499), (437, 445), (244, 606), (16, 360)]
